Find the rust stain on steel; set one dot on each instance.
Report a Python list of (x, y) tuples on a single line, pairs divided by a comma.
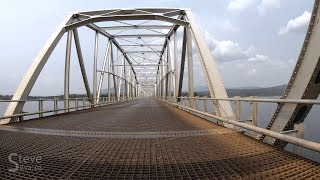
[(165, 155)]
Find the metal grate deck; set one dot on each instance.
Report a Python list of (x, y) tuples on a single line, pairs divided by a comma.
[(143, 139)]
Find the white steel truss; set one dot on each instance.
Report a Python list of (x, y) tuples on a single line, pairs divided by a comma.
[(141, 56)]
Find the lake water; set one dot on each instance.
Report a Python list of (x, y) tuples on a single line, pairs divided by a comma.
[(265, 112)]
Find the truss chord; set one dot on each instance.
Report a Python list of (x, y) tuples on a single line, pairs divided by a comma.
[(115, 11)]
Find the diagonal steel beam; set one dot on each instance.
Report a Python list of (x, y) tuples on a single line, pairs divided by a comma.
[(81, 63), (183, 59)]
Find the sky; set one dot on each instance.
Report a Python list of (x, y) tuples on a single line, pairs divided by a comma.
[(254, 42)]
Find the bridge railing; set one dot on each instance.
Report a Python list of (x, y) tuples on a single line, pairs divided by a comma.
[(79, 103), (200, 106)]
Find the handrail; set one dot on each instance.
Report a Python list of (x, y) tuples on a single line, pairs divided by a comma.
[(30, 100), (55, 109), (292, 101), (287, 138)]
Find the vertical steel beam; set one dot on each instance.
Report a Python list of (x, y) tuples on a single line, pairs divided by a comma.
[(81, 63), (159, 82), (67, 71), (173, 69), (160, 79), (131, 81), (170, 69), (95, 64), (166, 73), (183, 59), (125, 74), (103, 71), (133, 87), (113, 73), (190, 63), (119, 82), (109, 70), (163, 78), (175, 60)]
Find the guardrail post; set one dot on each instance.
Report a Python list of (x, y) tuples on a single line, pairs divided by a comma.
[(205, 105), (55, 105), (254, 111), (254, 115), (76, 103), (216, 109), (299, 134), (195, 102), (40, 101), (238, 108)]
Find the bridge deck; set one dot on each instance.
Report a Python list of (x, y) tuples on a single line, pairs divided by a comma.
[(141, 139)]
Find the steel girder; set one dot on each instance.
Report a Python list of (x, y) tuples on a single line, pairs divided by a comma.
[(212, 75), (303, 84)]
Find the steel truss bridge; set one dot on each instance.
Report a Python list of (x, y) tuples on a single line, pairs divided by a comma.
[(143, 127)]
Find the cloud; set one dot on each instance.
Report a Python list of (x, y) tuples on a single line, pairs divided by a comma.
[(239, 5), (297, 25), (251, 65), (229, 51), (259, 58), (252, 72), (265, 5), (227, 26)]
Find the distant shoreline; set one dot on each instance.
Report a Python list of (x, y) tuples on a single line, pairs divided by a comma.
[(245, 92)]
